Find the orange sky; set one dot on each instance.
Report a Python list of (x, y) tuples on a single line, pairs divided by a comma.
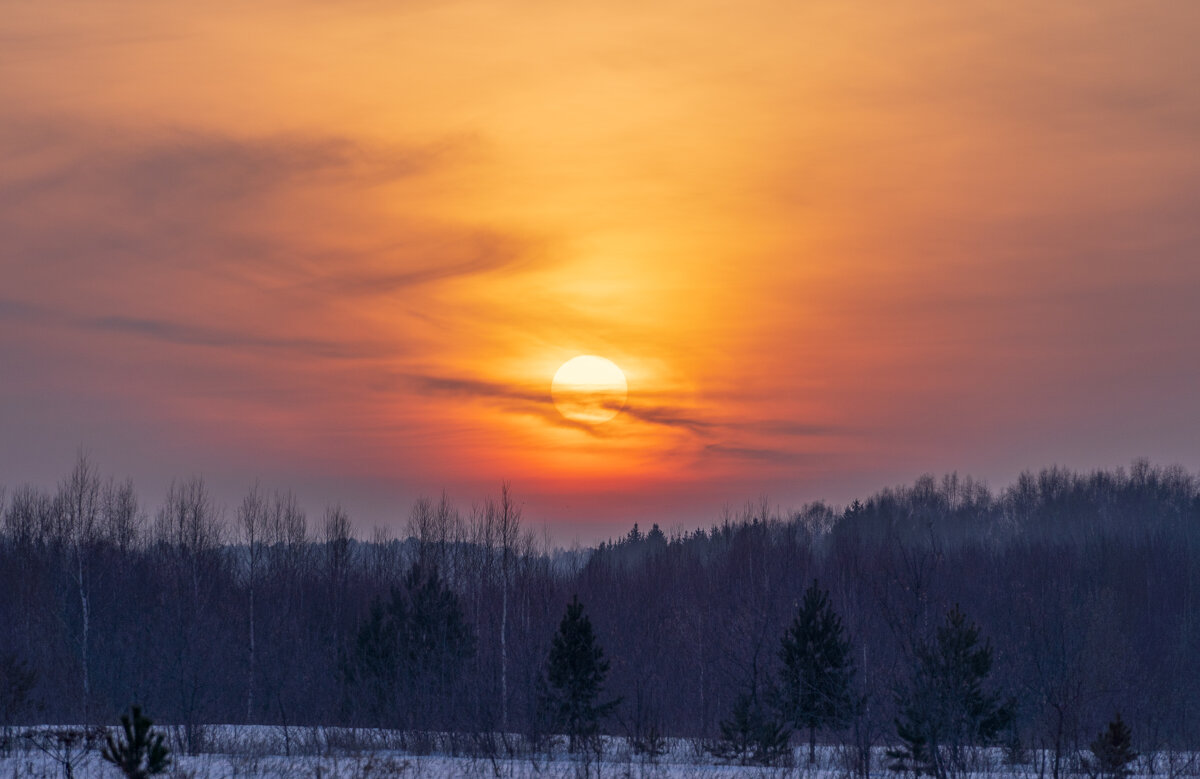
[(343, 247)]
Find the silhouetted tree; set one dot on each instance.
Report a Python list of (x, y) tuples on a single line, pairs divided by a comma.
[(16, 683), (408, 656), (1112, 751), (434, 641), (1080, 563), (373, 666), (753, 734), (817, 668), (945, 708), (574, 678), (77, 506), (140, 752)]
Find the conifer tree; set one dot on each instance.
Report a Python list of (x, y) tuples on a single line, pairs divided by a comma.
[(17, 680), (435, 637), (817, 668), (945, 708), (574, 678), (372, 669), (408, 654), (140, 753), (1112, 751), (751, 735)]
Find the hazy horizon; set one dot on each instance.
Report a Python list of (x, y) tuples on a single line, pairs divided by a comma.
[(369, 511)]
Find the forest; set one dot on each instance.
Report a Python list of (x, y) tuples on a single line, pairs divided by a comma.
[(1071, 600)]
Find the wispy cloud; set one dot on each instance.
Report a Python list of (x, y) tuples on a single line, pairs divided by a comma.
[(17, 310), (208, 239), (239, 206), (453, 255), (780, 456), (720, 437), (179, 333), (193, 335)]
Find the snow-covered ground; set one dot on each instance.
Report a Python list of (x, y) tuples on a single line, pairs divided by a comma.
[(232, 752)]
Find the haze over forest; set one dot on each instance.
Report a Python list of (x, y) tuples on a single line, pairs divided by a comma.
[(1081, 586)]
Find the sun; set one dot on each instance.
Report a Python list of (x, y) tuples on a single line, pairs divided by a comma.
[(589, 389)]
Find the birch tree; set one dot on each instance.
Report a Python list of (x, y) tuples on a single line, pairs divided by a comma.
[(78, 511)]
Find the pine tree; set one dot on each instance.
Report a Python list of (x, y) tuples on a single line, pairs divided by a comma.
[(914, 756), (752, 735), (17, 680), (434, 635), (407, 654), (817, 668), (945, 709), (371, 669), (1112, 750), (574, 678), (141, 752)]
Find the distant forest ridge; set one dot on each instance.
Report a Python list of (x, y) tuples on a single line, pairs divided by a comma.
[(1084, 588)]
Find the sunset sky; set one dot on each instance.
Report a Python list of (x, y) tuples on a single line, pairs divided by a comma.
[(342, 248)]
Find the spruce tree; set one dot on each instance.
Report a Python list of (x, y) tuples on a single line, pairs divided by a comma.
[(817, 668), (945, 708), (1112, 751), (574, 678), (141, 752)]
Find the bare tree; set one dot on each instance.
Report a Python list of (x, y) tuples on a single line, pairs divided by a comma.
[(189, 528), (123, 519), (336, 530), (508, 522), (28, 519), (78, 511), (252, 517)]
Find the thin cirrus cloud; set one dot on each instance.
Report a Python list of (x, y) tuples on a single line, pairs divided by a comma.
[(229, 215), (191, 260), (541, 404), (713, 436), (184, 197), (180, 334)]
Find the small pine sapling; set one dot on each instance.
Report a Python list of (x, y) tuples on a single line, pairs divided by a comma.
[(752, 735), (141, 752), (1112, 751)]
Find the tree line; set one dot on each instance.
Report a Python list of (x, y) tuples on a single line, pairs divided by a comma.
[(1045, 612)]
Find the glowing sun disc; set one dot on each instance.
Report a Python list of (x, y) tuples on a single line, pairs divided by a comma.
[(589, 389)]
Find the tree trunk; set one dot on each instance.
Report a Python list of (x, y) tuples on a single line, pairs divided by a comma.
[(250, 680), (83, 648), (504, 653)]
